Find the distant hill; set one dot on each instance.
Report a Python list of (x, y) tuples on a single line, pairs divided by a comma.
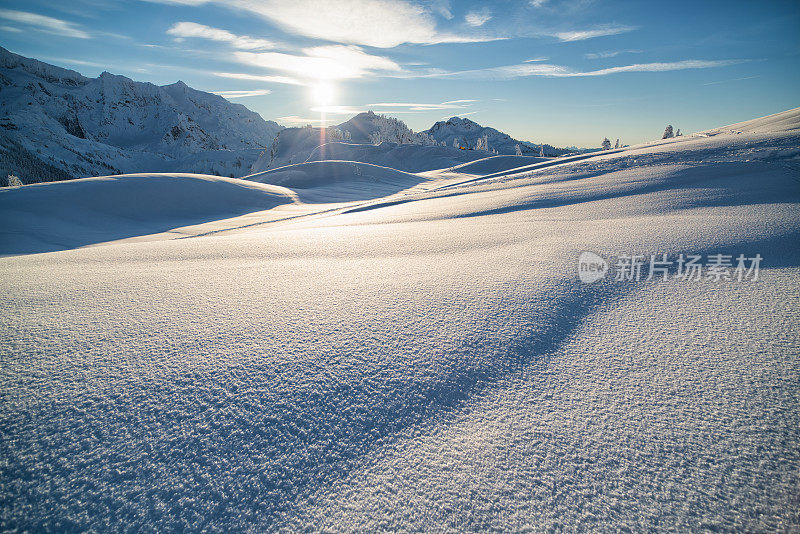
[(57, 124), (375, 129), (461, 132), (299, 145), (387, 141)]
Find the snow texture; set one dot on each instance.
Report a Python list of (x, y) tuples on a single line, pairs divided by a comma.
[(425, 360)]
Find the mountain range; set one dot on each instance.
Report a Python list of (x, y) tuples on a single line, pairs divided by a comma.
[(57, 124), (387, 141)]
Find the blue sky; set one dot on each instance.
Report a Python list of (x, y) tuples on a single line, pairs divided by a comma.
[(563, 72)]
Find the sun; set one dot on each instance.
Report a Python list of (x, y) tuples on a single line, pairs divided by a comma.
[(323, 93)]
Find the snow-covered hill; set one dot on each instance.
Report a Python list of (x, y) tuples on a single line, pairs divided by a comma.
[(461, 132), (374, 129), (494, 164), (55, 123), (338, 181), (57, 215)]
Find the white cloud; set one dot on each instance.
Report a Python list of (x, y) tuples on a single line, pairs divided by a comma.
[(733, 80), (561, 71), (257, 78), (243, 42), (538, 3), (75, 62), (531, 69), (294, 119), (338, 110), (376, 23), (662, 67), (10, 29), (442, 7), (45, 24), (410, 106), (322, 62), (460, 115), (242, 94), (479, 17), (581, 35), (609, 54)]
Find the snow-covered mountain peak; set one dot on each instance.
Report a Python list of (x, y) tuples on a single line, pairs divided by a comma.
[(372, 128), (112, 124), (50, 73), (461, 122), (461, 132)]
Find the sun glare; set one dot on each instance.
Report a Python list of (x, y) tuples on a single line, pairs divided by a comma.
[(323, 94)]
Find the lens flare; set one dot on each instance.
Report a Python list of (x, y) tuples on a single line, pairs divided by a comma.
[(323, 93)]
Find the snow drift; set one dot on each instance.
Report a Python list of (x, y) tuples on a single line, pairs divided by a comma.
[(494, 164), (58, 215), (338, 181)]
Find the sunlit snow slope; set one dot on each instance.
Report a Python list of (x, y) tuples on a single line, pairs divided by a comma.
[(422, 361), (59, 215)]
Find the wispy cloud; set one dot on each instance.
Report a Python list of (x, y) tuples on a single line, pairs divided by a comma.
[(242, 94), (411, 106), (561, 71), (46, 24), (459, 115), (257, 78), (603, 31), (293, 120), (182, 30), (538, 3), (733, 80), (610, 53), (478, 18), (322, 62), (442, 7), (380, 23), (338, 110), (10, 29), (69, 61), (662, 67)]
